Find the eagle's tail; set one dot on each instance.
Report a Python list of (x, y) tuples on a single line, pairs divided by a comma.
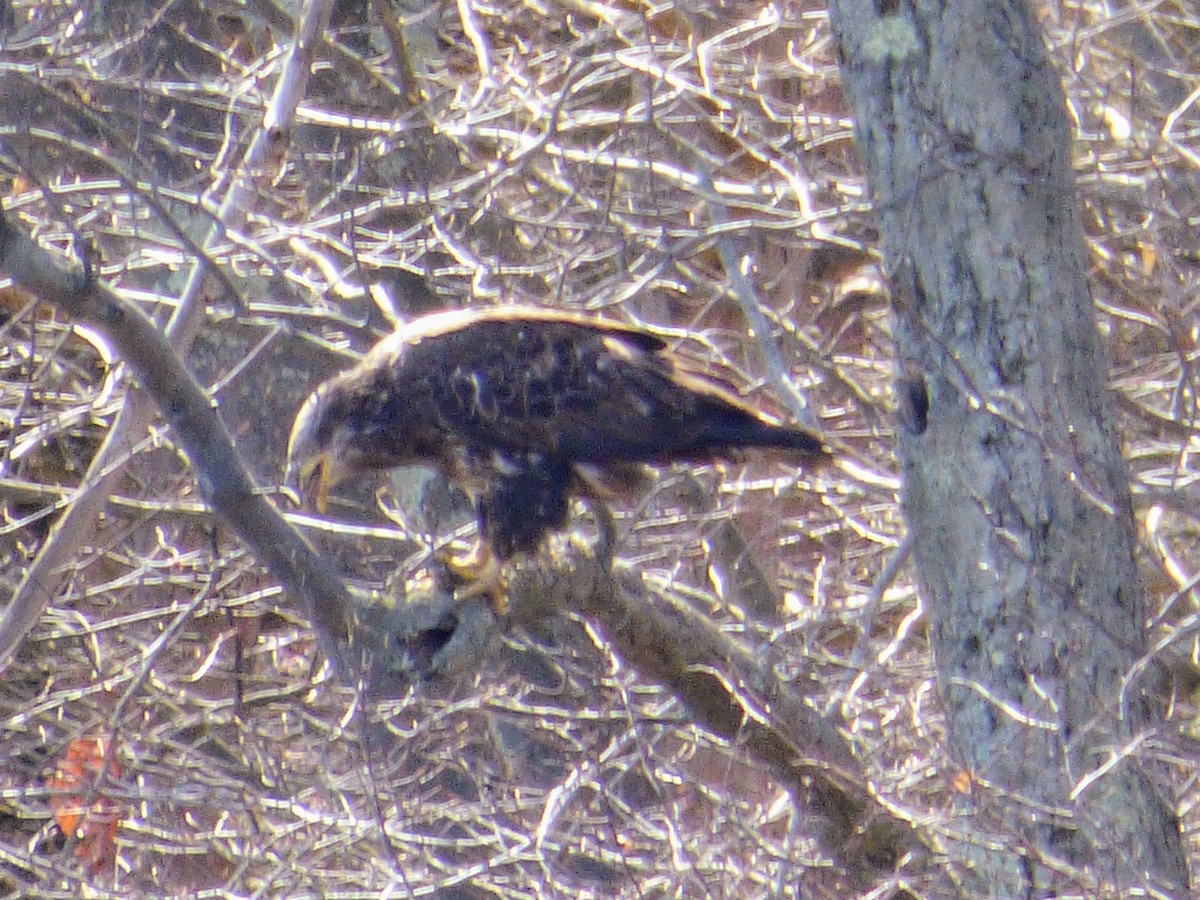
[(785, 437), (747, 431)]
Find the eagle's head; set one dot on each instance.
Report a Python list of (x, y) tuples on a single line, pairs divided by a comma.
[(356, 423), (322, 449)]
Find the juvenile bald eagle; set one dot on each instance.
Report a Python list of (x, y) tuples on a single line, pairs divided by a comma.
[(523, 408)]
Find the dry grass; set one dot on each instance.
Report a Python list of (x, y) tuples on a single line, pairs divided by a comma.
[(611, 157)]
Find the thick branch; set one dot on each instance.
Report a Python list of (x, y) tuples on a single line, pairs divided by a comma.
[(222, 478), (42, 578), (727, 690)]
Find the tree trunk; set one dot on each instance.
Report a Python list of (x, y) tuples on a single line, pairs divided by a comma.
[(1015, 490)]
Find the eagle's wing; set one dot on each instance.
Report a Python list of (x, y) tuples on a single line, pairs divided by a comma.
[(582, 391)]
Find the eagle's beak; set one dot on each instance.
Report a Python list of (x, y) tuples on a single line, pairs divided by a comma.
[(315, 480)]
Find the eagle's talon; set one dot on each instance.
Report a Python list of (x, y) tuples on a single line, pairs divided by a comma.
[(481, 575)]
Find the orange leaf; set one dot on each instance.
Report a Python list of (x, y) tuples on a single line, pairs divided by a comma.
[(73, 782)]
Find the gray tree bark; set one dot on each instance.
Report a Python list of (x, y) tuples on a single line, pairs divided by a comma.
[(1015, 491)]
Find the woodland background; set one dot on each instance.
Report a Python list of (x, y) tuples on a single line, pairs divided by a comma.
[(679, 166)]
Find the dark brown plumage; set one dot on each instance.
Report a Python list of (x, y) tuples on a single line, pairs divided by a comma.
[(524, 408)]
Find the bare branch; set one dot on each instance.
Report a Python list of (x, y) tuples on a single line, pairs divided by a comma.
[(220, 474), (41, 580)]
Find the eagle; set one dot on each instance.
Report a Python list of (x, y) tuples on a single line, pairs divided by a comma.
[(525, 409)]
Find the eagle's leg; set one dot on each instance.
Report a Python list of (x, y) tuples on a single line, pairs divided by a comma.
[(481, 574), (606, 539), (518, 508)]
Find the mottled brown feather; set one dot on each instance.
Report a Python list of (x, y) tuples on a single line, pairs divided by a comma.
[(525, 407)]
